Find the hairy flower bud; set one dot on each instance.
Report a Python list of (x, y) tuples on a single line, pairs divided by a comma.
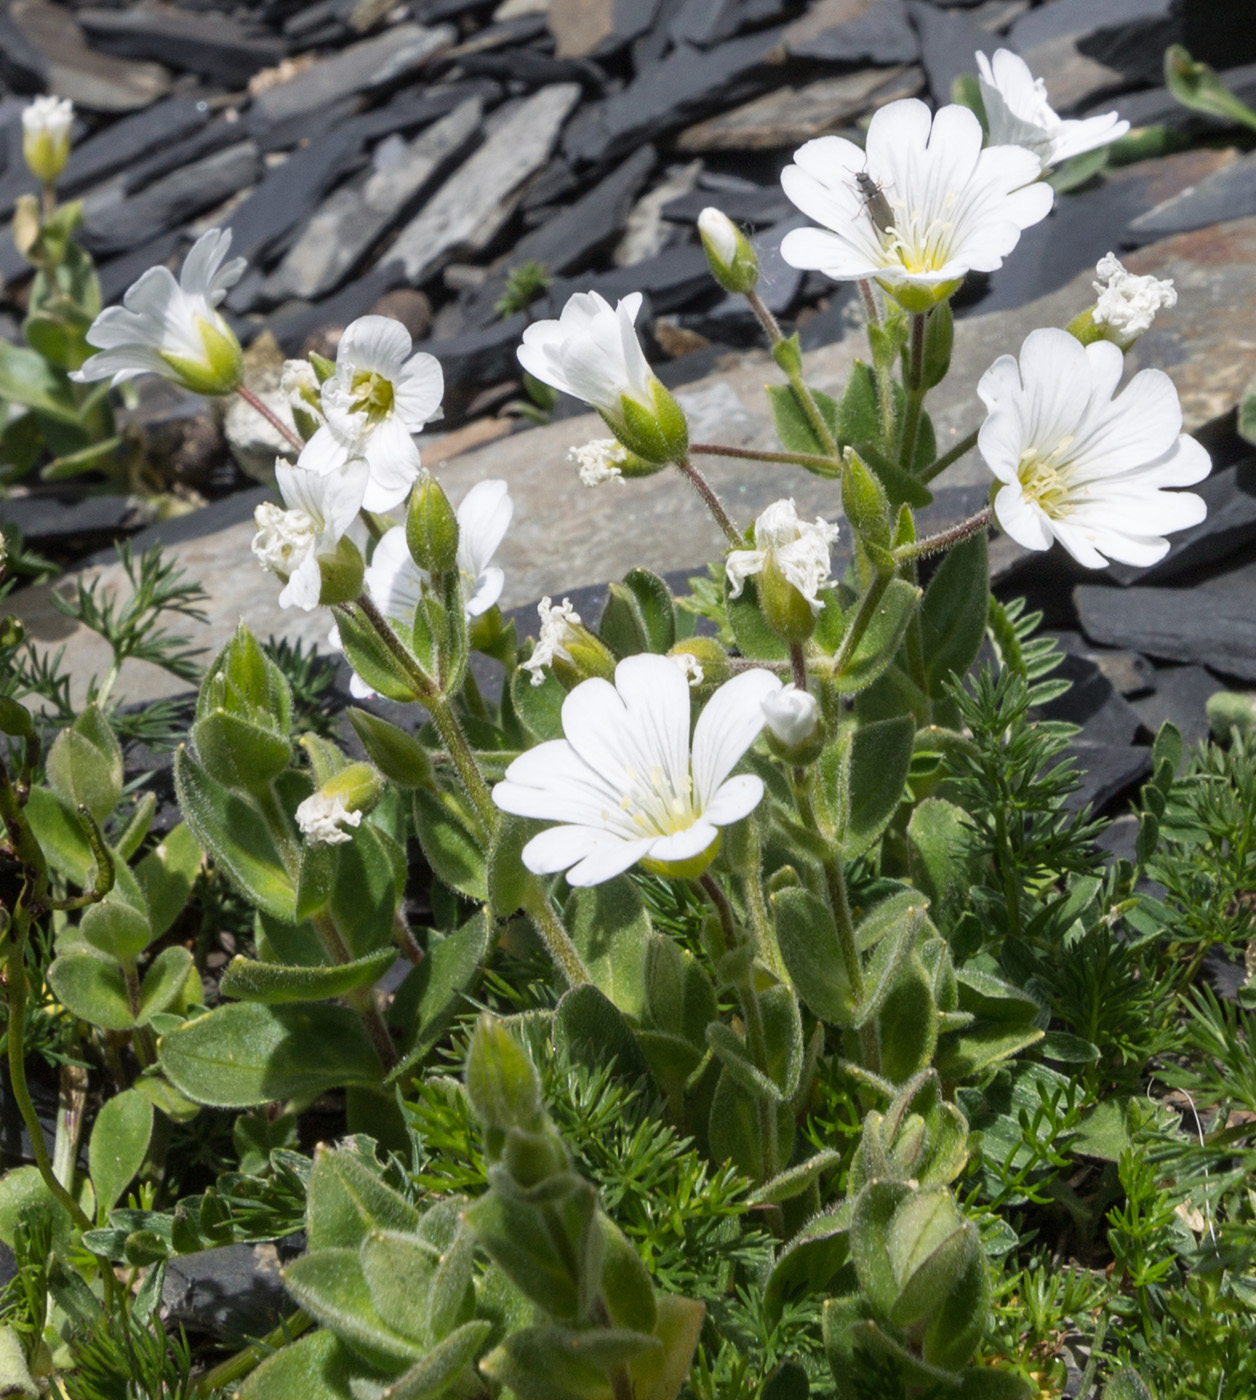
[(733, 262), (46, 137), (567, 647), (431, 526), (795, 731)]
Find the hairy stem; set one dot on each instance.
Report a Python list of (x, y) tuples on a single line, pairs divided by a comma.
[(944, 539), (867, 611), (555, 937), (806, 398), (270, 416), (821, 466), (713, 503), (915, 391)]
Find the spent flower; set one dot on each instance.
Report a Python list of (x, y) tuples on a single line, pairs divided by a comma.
[(1128, 303), (378, 397), (322, 818), (173, 328), (46, 124), (319, 512), (1081, 464), (599, 461), (1019, 114), (921, 206), (625, 785), (801, 552)]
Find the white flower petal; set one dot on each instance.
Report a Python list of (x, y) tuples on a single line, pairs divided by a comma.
[(730, 722), (418, 390), (735, 798), (375, 343)]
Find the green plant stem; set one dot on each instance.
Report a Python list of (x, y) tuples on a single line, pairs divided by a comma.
[(868, 605), (821, 466), (798, 665), (914, 645), (757, 905), (880, 369), (362, 999), (944, 539), (236, 1367), (713, 503), (753, 1015), (555, 937), (270, 416), (915, 391), (806, 398), (948, 459)]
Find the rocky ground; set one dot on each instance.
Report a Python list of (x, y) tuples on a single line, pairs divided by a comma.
[(408, 157)]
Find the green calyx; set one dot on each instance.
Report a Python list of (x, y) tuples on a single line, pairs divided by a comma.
[(222, 369), (658, 433), (431, 527), (912, 296)]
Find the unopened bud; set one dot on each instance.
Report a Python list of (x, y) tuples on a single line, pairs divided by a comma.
[(864, 501), (501, 1083), (46, 137), (398, 756), (359, 784), (795, 731), (733, 262), (431, 527)]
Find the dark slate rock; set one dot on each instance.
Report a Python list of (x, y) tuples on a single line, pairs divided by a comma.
[(653, 28), (21, 63), (556, 182), (684, 86), (706, 22), (778, 288), (1226, 977), (1129, 673), (1157, 106), (1107, 771), (833, 322), (1230, 193), (669, 280), (232, 1292), (1128, 35), (1104, 717), (759, 205), (120, 145), (485, 355), (1229, 525), (212, 45), (431, 11), (1180, 696), (571, 240), (13, 266), (534, 70), (117, 274), (15, 1143), (214, 137), (414, 108), (1220, 32), (881, 34), (948, 43), (295, 320), (66, 516), (1212, 624), (366, 66), (173, 200)]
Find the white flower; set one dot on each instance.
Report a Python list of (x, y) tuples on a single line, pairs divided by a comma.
[(319, 818), (558, 622), (799, 550), (1018, 113), (918, 208), (1129, 303), (689, 666), (46, 136), (623, 782), (378, 397), (1081, 466), (172, 328), (792, 715), (598, 461), (299, 385), (592, 353), (320, 510), (718, 232)]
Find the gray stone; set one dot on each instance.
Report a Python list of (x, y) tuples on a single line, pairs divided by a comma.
[(1212, 624), (233, 1292), (470, 208), (669, 280), (948, 43), (1107, 771), (295, 320), (215, 137), (21, 62), (682, 87), (89, 522), (583, 27), (743, 201), (788, 116), (1127, 35), (173, 200), (1074, 79), (706, 22), (1157, 106), (778, 287), (71, 69), (485, 355), (1103, 716), (212, 45), (647, 231), (1229, 193), (117, 274), (1180, 696), (526, 68), (854, 31), (363, 67), (355, 218)]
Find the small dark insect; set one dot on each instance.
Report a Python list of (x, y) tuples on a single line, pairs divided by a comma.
[(875, 202)]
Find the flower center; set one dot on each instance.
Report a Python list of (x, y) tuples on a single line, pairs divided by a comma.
[(656, 806), (921, 244), (372, 394), (1044, 477)]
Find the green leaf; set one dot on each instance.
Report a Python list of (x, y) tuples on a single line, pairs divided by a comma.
[(936, 837), (116, 928), (90, 984), (118, 1146), (346, 1200), (27, 378), (626, 1285), (534, 1367), (99, 456), (449, 845), (234, 832), (611, 930), (398, 1269), (953, 612), (236, 751), (539, 707), (273, 983), (1076, 172), (782, 1035), (1197, 86), (438, 1371), (509, 880), (734, 1128), (881, 640), (679, 996), (166, 876), (880, 754), (809, 943), (1247, 414), (589, 1029), (734, 1055), (431, 996), (165, 979), (330, 1285), (639, 615), (1127, 1384), (24, 1196), (244, 1054), (80, 774), (893, 943), (907, 1023), (60, 835), (793, 426), (317, 1367), (365, 897)]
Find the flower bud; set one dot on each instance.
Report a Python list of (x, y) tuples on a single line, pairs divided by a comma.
[(565, 645), (864, 500), (501, 1083), (46, 137), (733, 262), (431, 527), (359, 784), (220, 368), (795, 730), (786, 609), (398, 755)]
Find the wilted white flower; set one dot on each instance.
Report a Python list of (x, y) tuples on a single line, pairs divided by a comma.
[(799, 550), (172, 328), (592, 352), (623, 782), (1128, 303), (320, 511), (320, 816), (918, 208), (299, 385), (792, 715), (379, 395), (1019, 114), (46, 124), (598, 461), (558, 623), (689, 665), (1080, 465)]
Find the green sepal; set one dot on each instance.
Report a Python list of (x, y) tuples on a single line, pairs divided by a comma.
[(398, 756), (239, 753), (639, 615), (939, 340)]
